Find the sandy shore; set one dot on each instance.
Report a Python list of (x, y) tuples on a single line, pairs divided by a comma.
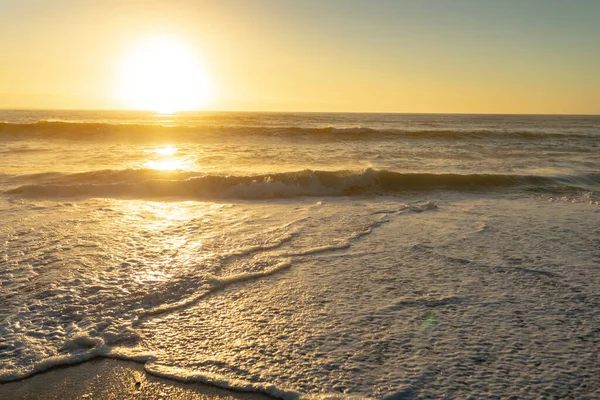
[(111, 379)]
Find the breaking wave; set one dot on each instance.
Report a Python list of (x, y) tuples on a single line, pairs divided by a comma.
[(144, 183), (95, 131)]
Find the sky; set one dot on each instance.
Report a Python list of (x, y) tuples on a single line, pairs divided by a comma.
[(422, 56)]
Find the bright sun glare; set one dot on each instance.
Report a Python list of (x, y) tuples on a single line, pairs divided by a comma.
[(164, 76), (165, 159)]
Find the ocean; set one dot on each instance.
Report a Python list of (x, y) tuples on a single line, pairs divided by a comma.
[(304, 254)]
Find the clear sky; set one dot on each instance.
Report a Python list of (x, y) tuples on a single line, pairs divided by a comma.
[(454, 56)]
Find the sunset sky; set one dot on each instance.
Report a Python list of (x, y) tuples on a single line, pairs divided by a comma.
[(460, 56)]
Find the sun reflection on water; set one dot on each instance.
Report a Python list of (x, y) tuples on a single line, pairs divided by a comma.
[(165, 161), (166, 165), (151, 276), (165, 151), (167, 247)]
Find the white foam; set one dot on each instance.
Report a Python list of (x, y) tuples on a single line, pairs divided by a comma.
[(215, 283), (184, 375)]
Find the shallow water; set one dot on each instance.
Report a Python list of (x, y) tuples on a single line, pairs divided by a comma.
[(306, 254)]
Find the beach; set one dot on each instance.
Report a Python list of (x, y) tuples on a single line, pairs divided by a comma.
[(110, 379), (299, 255)]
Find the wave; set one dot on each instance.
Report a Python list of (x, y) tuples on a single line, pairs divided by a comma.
[(95, 131), (82, 345), (153, 367), (144, 183)]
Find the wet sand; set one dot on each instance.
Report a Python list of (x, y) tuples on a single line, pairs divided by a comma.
[(111, 379)]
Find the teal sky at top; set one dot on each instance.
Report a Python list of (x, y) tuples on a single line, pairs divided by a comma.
[(562, 32), (543, 55)]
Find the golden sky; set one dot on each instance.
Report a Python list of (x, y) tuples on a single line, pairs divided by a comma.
[(462, 56)]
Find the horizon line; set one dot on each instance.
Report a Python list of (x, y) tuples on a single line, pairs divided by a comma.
[(292, 112)]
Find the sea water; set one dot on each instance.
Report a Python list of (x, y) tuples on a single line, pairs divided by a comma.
[(306, 255)]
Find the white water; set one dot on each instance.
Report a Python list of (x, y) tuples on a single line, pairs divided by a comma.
[(483, 286)]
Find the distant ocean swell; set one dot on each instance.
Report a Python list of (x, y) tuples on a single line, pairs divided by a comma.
[(146, 183), (92, 131)]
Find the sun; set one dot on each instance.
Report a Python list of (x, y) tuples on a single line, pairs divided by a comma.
[(163, 75)]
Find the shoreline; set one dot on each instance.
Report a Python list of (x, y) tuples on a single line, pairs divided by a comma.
[(108, 378)]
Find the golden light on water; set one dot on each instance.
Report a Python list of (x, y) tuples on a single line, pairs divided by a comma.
[(165, 151), (166, 165), (165, 76), (166, 159)]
